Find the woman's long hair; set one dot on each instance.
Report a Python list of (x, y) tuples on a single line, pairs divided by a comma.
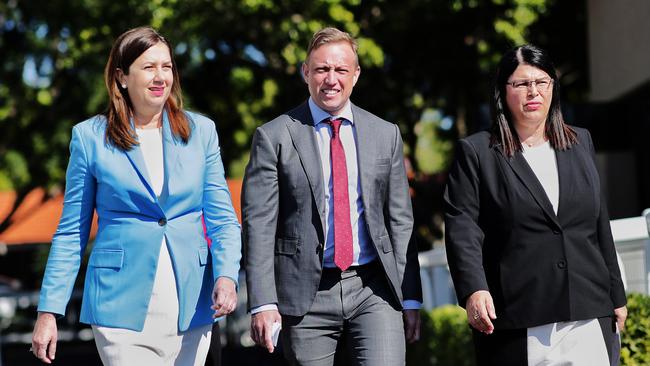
[(558, 133), (126, 49)]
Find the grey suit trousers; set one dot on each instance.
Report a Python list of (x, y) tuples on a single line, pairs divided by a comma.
[(355, 305)]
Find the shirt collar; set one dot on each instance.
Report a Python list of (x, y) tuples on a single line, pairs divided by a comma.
[(319, 115)]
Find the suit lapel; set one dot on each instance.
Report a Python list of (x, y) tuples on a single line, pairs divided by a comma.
[(521, 168), (365, 153), (565, 172), (171, 147), (137, 161), (301, 129), (170, 158)]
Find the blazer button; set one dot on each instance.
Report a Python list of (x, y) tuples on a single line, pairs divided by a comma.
[(556, 231), (162, 222), (561, 264), (319, 248)]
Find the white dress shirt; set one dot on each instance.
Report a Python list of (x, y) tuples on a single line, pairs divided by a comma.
[(362, 250)]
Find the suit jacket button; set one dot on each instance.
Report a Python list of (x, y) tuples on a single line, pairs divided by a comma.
[(319, 248), (162, 222), (561, 264), (556, 232)]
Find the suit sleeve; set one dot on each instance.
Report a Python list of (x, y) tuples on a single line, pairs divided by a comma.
[(463, 235), (399, 220), (71, 237), (606, 243), (221, 223), (260, 205)]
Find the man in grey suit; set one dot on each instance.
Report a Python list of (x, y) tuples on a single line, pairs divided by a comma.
[(327, 223)]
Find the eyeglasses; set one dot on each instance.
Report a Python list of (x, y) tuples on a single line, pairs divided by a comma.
[(542, 84)]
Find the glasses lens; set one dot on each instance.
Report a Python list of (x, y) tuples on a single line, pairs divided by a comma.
[(542, 84)]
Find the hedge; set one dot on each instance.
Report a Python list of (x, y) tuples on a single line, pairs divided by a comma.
[(635, 342), (447, 340)]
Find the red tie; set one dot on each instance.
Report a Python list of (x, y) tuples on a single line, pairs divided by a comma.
[(342, 225)]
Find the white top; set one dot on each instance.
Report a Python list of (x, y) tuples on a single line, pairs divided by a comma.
[(152, 151), (362, 250), (542, 161), (567, 343)]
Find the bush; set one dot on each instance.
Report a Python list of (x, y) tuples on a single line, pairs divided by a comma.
[(445, 339), (635, 342)]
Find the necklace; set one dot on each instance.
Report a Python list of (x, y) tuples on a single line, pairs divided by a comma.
[(536, 142)]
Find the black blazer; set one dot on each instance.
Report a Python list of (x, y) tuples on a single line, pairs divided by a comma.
[(502, 235)]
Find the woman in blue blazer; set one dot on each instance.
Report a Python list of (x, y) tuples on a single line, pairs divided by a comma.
[(150, 170)]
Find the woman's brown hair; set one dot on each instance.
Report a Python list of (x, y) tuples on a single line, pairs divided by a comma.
[(126, 49)]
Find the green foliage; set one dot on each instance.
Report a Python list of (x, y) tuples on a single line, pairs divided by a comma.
[(445, 339), (240, 61), (636, 336), (15, 167), (432, 149)]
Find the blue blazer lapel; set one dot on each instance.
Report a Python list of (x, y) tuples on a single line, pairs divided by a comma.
[(171, 150), (137, 161)]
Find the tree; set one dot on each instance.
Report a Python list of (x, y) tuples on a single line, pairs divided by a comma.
[(240, 61)]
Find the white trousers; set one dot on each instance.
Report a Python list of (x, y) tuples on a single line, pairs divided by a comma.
[(159, 343), (579, 343)]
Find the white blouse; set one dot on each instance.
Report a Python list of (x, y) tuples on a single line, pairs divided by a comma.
[(542, 161), (152, 151)]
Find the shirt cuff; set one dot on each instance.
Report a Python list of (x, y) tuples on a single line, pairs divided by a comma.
[(411, 305), (259, 309)]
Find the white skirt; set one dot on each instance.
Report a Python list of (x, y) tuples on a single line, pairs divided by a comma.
[(568, 343), (160, 342)]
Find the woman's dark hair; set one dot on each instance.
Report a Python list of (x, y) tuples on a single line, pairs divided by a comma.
[(558, 133), (126, 49)]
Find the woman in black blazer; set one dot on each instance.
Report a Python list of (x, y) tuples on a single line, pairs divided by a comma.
[(528, 239)]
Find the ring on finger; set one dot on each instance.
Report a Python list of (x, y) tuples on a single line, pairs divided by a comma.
[(476, 315)]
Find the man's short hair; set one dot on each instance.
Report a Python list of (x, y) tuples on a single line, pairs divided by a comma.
[(331, 35)]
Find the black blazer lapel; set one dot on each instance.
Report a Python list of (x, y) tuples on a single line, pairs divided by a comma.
[(301, 129), (566, 172), (523, 171)]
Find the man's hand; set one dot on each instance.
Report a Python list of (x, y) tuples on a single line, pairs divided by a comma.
[(621, 315), (480, 311), (411, 325), (261, 328), (44, 337), (224, 297)]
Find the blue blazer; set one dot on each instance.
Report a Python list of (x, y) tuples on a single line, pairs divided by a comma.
[(132, 223)]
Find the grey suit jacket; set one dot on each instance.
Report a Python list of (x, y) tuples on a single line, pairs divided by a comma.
[(283, 207)]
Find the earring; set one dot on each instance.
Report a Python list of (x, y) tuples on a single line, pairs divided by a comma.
[(123, 86)]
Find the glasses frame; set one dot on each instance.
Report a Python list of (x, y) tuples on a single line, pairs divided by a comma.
[(529, 84)]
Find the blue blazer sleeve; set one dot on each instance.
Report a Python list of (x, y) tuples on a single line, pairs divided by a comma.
[(221, 222), (71, 237)]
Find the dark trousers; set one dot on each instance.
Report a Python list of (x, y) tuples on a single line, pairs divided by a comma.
[(214, 355)]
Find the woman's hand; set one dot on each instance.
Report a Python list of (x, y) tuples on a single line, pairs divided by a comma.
[(44, 337), (224, 297), (480, 311), (621, 315)]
